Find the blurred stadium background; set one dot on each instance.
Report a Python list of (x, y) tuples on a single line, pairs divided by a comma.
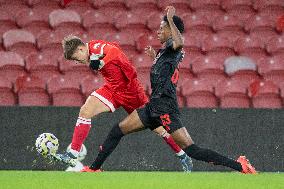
[(234, 59)]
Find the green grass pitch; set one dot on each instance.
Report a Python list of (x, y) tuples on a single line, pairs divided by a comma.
[(138, 180)]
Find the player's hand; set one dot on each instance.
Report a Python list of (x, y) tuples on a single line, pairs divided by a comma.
[(170, 12), (150, 52)]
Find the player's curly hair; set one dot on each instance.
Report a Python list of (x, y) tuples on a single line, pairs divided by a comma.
[(177, 21), (70, 44)]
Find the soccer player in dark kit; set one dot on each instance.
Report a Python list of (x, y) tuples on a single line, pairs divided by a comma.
[(162, 108)]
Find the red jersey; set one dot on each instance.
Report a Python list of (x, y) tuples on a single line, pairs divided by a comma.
[(118, 72)]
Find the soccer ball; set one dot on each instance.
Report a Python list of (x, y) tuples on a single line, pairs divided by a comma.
[(82, 153), (47, 144)]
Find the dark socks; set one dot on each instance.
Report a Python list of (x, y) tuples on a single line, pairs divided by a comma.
[(210, 156), (108, 146)]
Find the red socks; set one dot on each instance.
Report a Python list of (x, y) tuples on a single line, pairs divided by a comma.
[(81, 132), (170, 141)]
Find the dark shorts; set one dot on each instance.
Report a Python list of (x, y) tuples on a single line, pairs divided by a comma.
[(152, 120)]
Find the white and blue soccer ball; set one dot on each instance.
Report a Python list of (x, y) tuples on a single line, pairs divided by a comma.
[(47, 144), (82, 153)]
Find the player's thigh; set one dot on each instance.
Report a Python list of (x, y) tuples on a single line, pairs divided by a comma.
[(131, 123), (93, 106), (182, 138), (160, 131)]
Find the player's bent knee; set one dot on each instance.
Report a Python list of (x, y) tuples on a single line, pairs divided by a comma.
[(85, 113)]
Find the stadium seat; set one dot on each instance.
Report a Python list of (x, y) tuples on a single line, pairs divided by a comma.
[(31, 91), (13, 8), (142, 63), (11, 65), (264, 4), (144, 78), (148, 39), (34, 20), (276, 45), (90, 83), (232, 94), (215, 43), (196, 4), (249, 44), (196, 22), (245, 77), (20, 41), (232, 36), (54, 4), (243, 13), (129, 21), (154, 20), (182, 6), (259, 23), (99, 33), (74, 71), (273, 68), (125, 41), (269, 35), (93, 19), (236, 4), (65, 19), (144, 5), (7, 97), (267, 96), (43, 65), (228, 23), (281, 86), (209, 13), (79, 6), (199, 94), (64, 92), (7, 22), (110, 3), (210, 68)]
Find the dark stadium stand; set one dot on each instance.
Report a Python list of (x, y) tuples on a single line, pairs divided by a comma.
[(32, 66)]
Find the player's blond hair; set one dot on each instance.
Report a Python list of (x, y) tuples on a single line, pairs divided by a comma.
[(70, 44)]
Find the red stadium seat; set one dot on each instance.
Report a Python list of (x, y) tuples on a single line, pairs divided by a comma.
[(7, 97), (264, 4), (269, 35), (125, 41), (210, 68), (267, 96), (199, 94), (249, 44), (232, 36), (90, 84), (209, 13), (143, 63), (7, 22), (64, 92), (144, 5), (74, 71), (31, 91), (148, 39), (65, 19), (54, 4), (232, 94), (215, 43), (93, 19), (11, 65), (34, 20), (79, 6), (243, 13), (154, 20), (245, 77), (182, 6), (130, 22), (276, 45), (42, 65), (281, 86), (273, 69), (227, 22), (20, 41), (110, 3), (99, 33), (259, 23), (196, 22), (144, 78), (196, 4), (13, 8), (236, 4)]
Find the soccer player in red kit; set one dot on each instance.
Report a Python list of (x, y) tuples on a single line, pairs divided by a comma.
[(121, 89)]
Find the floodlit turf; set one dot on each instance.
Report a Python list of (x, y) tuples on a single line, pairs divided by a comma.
[(138, 180)]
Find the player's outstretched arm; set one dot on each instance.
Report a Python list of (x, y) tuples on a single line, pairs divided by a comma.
[(178, 41)]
